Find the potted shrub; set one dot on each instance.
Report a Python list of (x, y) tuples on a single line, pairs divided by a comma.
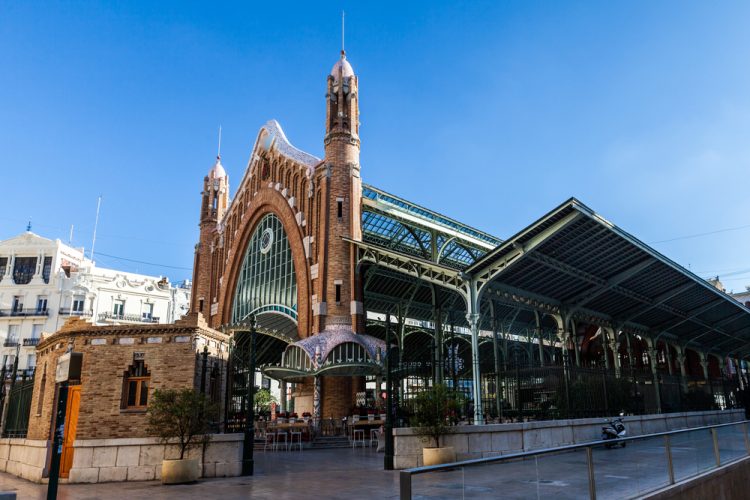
[(183, 416), (434, 412)]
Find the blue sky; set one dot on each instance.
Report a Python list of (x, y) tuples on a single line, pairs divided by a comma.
[(491, 113)]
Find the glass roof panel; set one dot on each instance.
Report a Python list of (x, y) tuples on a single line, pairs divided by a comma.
[(374, 193)]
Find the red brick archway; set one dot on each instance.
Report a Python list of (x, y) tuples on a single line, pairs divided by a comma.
[(269, 201)]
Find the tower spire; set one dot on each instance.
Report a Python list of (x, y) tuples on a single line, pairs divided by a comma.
[(218, 152), (343, 52)]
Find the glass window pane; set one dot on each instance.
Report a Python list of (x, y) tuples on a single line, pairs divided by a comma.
[(144, 393), (132, 388)]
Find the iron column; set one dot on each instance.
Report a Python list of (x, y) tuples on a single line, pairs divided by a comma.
[(57, 440), (248, 463), (388, 458), (204, 361)]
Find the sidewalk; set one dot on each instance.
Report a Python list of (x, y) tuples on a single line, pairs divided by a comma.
[(336, 474)]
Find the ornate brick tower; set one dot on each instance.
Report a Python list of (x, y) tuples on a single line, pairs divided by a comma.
[(215, 199), (338, 301), (337, 305)]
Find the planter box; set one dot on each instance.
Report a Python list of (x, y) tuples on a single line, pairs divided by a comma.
[(437, 456), (180, 471)]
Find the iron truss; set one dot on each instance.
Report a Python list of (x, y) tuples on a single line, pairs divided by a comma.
[(396, 224)]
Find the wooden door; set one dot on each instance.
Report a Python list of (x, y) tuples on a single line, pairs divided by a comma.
[(71, 423)]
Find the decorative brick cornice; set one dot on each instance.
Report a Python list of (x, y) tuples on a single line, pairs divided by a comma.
[(192, 324)]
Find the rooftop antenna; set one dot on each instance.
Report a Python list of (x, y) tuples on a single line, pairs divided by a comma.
[(218, 153), (96, 223), (70, 236), (342, 32)]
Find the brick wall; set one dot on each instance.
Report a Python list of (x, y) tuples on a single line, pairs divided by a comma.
[(168, 351), (337, 397)]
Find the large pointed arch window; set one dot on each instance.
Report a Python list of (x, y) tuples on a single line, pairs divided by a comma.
[(267, 282)]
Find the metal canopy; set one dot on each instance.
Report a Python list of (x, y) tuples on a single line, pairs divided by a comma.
[(570, 262), (587, 266)]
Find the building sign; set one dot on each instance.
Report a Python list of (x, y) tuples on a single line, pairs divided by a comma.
[(69, 367)]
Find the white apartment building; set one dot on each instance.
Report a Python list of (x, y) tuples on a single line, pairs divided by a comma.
[(44, 282), (743, 297)]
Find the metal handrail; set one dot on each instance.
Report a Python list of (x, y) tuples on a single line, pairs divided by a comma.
[(405, 475)]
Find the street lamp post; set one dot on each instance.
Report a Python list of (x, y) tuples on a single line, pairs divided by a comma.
[(388, 459), (248, 463)]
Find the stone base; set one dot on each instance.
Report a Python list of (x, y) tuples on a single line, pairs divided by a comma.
[(141, 459), (23, 457)]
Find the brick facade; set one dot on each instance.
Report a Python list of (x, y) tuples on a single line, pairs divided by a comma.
[(319, 205), (170, 352)]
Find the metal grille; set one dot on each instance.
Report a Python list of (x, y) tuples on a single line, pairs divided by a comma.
[(240, 350)]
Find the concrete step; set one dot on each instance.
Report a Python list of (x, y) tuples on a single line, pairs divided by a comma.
[(319, 443), (325, 442)]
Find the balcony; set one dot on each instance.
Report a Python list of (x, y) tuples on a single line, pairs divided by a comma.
[(20, 374), (31, 342), (67, 311), (10, 343), (109, 317), (24, 312)]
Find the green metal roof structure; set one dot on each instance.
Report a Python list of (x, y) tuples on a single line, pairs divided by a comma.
[(571, 264)]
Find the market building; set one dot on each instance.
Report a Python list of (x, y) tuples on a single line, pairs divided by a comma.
[(570, 317), (323, 261)]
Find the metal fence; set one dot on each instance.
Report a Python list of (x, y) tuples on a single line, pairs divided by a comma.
[(648, 463), (20, 389), (554, 392), (519, 384)]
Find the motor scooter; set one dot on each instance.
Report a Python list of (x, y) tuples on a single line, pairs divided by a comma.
[(614, 429)]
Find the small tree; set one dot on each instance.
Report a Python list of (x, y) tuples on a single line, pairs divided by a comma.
[(183, 414), (434, 412), (263, 400)]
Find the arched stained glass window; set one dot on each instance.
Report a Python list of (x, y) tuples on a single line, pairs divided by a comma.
[(267, 282)]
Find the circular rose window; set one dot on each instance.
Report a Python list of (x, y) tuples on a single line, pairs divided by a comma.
[(266, 240)]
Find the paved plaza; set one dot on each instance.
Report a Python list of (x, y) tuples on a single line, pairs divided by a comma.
[(336, 473), (357, 473)]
